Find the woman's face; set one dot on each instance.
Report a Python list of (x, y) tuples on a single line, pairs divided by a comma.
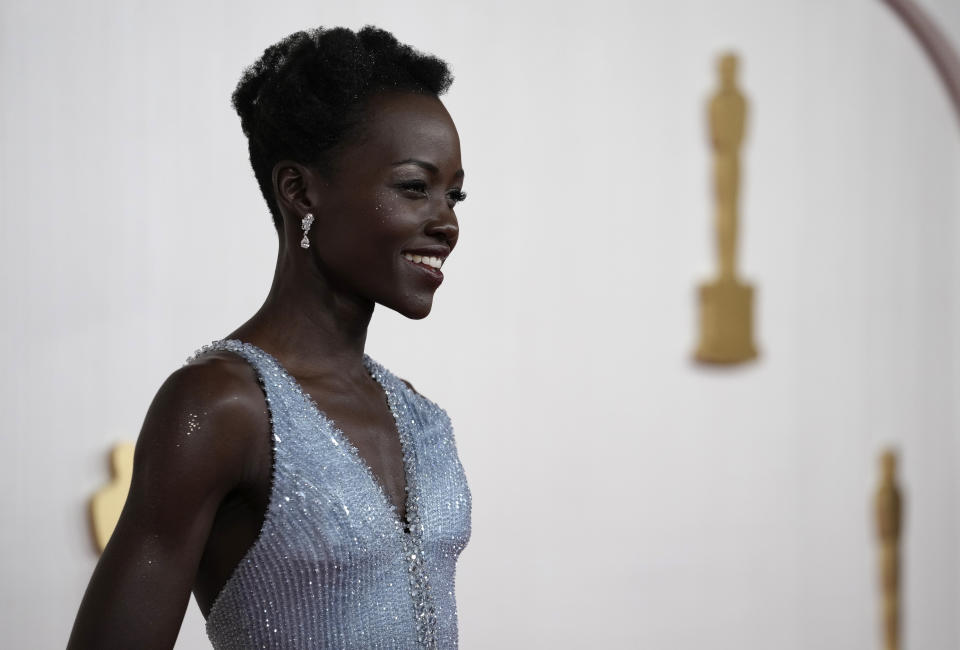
[(392, 194)]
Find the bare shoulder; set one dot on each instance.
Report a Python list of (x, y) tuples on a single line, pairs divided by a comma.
[(201, 430), (215, 387)]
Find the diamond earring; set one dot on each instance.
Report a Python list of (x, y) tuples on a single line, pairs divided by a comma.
[(305, 223)]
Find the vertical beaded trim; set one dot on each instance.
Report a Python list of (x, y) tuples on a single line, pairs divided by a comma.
[(424, 609)]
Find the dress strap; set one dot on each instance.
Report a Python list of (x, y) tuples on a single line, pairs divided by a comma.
[(273, 381)]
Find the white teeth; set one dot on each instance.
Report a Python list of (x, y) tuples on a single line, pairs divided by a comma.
[(434, 262)]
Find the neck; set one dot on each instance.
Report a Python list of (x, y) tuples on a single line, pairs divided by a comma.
[(311, 325)]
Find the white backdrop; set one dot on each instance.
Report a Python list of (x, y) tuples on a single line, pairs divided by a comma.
[(623, 497)]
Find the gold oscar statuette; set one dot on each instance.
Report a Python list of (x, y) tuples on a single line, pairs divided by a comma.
[(726, 303), (888, 512), (107, 504)]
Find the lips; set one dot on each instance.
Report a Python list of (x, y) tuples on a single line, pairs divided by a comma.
[(431, 261), (428, 259), (428, 272), (429, 251)]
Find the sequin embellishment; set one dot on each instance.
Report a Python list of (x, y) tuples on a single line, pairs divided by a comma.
[(333, 566), (424, 611)]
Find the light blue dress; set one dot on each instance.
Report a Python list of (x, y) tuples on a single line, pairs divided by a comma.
[(333, 566)]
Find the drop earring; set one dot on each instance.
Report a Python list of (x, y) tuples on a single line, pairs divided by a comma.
[(305, 223)]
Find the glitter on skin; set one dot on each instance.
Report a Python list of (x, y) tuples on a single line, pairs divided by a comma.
[(193, 423)]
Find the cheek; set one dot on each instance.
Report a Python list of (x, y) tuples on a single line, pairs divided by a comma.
[(376, 235), (394, 220)]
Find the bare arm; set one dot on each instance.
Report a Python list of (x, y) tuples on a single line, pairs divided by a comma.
[(189, 455)]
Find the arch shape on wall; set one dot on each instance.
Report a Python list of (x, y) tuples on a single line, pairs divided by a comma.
[(935, 44)]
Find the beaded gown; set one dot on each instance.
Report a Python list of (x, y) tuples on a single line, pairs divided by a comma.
[(333, 566)]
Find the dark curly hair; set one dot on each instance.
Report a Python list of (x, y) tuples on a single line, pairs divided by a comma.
[(306, 94)]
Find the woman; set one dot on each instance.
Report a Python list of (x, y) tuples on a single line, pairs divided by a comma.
[(307, 496)]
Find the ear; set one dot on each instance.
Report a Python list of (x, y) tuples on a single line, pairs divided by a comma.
[(292, 186)]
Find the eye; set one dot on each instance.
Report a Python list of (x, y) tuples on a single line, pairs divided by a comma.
[(417, 187), (456, 196)]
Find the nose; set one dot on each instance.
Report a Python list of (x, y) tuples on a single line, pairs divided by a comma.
[(444, 226)]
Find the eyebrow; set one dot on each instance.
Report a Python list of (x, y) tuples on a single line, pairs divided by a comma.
[(430, 167)]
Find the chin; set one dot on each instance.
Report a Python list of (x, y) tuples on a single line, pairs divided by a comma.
[(419, 313), (413, 311)]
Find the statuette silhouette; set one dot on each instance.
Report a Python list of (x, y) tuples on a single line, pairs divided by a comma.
[(107, 503), (888, 510), (726, 303)]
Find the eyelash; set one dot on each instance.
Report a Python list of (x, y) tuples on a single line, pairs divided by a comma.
[(421, 188)]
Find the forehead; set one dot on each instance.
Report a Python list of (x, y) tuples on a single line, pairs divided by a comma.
[(398, 126)]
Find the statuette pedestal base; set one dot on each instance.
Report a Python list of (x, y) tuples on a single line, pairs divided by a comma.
[(726, 322)]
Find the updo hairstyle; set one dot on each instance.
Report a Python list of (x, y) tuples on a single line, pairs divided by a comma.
[(305, 96)]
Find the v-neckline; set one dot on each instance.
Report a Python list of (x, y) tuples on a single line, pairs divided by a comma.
[(339, 438)]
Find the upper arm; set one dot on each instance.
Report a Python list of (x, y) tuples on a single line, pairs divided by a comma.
[(192, 450)]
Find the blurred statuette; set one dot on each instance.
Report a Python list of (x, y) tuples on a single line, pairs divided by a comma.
[(888, 513), (726, 303), (107, 503)]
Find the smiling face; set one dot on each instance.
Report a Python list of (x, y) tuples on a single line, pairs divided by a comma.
[(389, 204)]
